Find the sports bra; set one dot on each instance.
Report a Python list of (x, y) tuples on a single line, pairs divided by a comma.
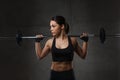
[(61, 55)]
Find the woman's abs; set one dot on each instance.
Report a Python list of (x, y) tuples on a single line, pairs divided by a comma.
[(61, 66)]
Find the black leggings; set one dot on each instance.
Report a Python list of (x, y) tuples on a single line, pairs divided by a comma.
[(63, 75)]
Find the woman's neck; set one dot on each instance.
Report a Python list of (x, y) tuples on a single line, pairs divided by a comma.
[(62, 36)]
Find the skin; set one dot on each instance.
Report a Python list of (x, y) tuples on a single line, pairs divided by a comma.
[(58, 32)]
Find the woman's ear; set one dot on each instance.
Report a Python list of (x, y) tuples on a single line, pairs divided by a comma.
[(62, 26)]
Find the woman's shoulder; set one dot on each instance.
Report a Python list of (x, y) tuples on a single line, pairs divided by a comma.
[(49, 41), (73, 40)]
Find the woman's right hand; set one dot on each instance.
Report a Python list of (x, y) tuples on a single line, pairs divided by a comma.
[(39, 38)]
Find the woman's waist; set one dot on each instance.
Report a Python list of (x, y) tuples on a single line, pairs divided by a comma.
[(61, 66)]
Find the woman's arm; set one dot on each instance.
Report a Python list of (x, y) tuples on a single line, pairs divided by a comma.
[(41, 53), (81, 51)]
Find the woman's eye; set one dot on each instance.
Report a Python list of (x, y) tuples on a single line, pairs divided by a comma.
[(53, 26)]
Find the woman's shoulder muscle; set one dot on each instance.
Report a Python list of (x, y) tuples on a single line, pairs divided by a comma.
[(49, 42), (73, 40)]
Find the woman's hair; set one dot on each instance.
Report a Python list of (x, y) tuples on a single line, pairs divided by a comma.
[(61, 21)]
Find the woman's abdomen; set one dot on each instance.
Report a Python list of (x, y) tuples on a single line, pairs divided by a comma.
[(61, 66)]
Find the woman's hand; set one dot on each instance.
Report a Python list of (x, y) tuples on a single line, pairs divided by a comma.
[(39, 38), (84, 37)]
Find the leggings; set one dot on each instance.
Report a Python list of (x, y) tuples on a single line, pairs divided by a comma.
[(63, 75)]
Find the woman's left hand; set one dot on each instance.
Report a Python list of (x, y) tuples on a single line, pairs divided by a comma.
[(84, 37)]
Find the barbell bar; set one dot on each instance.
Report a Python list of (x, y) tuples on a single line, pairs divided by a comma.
[(102, 36)]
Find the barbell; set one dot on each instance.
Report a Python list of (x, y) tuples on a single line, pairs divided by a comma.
[(102, 36)]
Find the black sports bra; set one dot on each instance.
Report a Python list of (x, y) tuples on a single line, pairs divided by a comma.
[(65, 54)]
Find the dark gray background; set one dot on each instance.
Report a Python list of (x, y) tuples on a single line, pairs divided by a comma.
[(32, 17)]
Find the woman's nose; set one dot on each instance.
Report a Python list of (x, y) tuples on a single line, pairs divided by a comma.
[(51, 28)]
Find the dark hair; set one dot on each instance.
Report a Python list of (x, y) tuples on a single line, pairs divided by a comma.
[(61, 21)]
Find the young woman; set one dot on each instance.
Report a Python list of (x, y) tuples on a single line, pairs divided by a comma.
[(62, 48)]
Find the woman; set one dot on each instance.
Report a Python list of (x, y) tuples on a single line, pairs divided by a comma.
[(62, 48)]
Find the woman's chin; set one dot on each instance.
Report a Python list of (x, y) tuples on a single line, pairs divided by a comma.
[(53, 35)]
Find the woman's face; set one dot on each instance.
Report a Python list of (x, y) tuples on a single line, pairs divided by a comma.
[(55, 28)]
